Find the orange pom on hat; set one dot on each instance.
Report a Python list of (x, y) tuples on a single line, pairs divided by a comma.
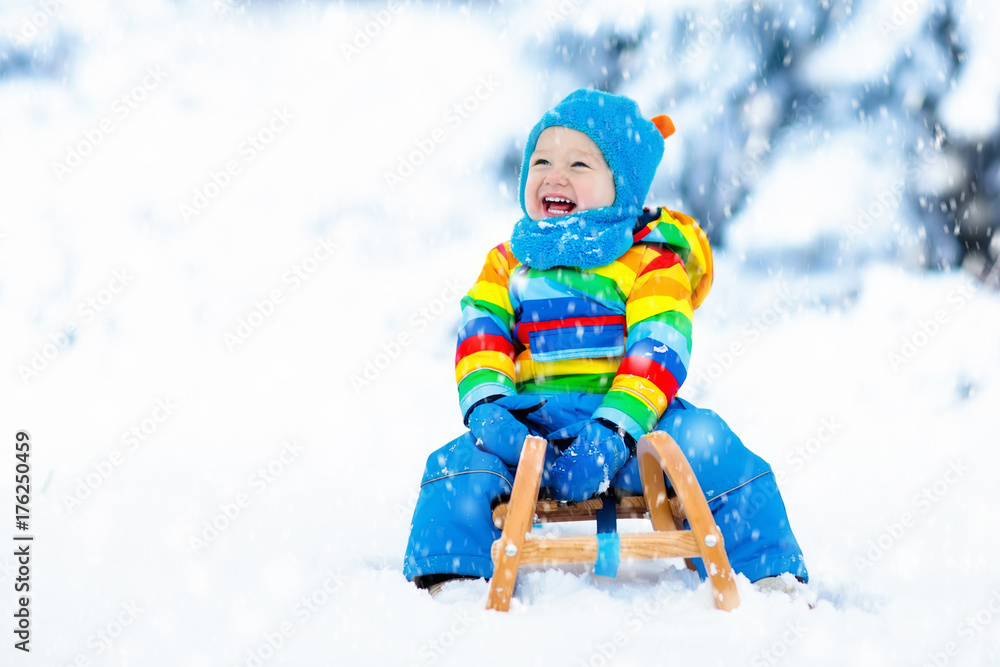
[(664, 125)]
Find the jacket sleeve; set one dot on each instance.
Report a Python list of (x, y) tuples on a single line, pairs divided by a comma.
[(484, 358), (658, 312)]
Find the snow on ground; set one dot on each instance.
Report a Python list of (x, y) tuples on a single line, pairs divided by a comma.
[(230, 412)]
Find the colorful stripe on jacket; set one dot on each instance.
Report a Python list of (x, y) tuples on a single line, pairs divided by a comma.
[(623, 330)]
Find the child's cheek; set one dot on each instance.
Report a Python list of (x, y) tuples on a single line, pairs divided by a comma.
[(534, 212)]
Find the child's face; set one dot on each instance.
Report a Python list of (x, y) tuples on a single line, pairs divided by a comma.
[(566, 174)]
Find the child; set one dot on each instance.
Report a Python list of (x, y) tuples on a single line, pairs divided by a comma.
[(578, 330)]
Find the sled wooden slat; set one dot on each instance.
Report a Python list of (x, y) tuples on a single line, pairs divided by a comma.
[(552, 511), (658, 455), (524, 495), (583, 549)]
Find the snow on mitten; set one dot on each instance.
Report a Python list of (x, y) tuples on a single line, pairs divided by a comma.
[(589, 464)]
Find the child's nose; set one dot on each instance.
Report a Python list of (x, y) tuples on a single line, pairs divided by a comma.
[(556, 175)]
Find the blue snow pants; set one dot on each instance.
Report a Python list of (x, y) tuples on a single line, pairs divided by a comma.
[(452, 528)]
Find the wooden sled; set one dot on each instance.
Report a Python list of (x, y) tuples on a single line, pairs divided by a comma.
[(658, 454)]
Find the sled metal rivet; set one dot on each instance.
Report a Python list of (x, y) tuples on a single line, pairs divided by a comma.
[(711, 540), (510, 550)]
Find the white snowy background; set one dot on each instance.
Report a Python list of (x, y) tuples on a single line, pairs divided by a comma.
[(230, 404)]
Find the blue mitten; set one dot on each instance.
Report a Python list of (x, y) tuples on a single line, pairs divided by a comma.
[(590, 463), (628, 478), (498, 432)]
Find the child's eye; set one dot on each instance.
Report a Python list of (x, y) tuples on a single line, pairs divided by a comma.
[(540, 161), (581, 164)]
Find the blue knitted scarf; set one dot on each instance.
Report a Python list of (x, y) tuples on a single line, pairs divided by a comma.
[(586, 240)]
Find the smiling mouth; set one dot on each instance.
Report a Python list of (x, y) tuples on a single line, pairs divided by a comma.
[(558, 205)]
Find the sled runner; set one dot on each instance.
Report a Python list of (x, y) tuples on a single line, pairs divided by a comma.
[(658, 454)]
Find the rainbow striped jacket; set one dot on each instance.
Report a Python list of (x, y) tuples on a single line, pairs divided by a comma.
[(622, 330)]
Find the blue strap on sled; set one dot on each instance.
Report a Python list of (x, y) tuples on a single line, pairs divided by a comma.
[(608, 544)]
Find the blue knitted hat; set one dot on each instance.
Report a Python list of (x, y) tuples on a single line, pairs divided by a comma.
[(632, 146)]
